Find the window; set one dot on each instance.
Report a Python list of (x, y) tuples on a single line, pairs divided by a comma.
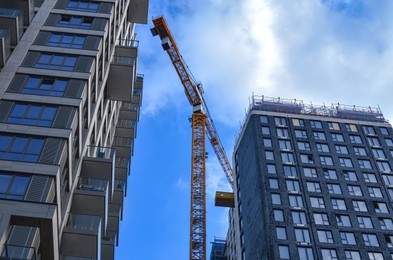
[(282, 132), (355, 139), (66, 41), (323, 148), (319, 136), (287, 158), (365, 222), (350, 176), (375, 256), (375, 192), (337, 138), (325, 236), (310, 172), (378, 154), (384, 130), (370, 240), (20, 148), (386, 223), (373, 141), (297, 122), (45, 86), (383, 166), (389, 142), (369, 130), (285, 144), (267, 142), (273, 183), (389, 241), (347, 238), (380, 207), (265, 130), (56, 62), (329, 254), (352, 255), (300, 133), (295, 201), (334, 188), (317, 202), (299, 218), (321, 219), (360, 151), (388, 179), (330, 174), (326, 160), (343, 221), (29, 114), (338, 204), (306, 158), (359, 205), (316, 124), (290, 171), (369, 177), (354, 190), (313, 186), (276, 199), (283, 252), (365, 164), (333, 126), (84, 6), (280, 121), (302, 235), (390, 191), (293, 185), (271, 169), (75, 22), (281, 233), (13, 186), (305, 253), (341, 149), (269, 155), (351, 128), (264, 119), (278, 215), (304, 146), (345, 162)]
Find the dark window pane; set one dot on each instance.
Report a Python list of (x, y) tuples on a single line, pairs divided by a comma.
[(19, 144), (4, 182), (19, 185), (35, 146)]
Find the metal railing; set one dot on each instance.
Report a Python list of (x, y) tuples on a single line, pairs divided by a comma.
[(91, 184)]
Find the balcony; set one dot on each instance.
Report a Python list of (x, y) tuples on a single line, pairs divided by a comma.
[(137, 96), (122, 72), (18, 253), (126, 129), (124, 146), (12, 20), (26, 6), (108, 244), (129, 111), (82, 236), (137, 11), (91, 198), (115, 212), (99, 163), (122, 168)]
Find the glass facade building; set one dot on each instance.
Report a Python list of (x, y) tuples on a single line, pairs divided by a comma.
[(312, 182), (70, 97)]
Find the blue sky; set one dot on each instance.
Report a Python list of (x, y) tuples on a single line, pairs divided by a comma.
[(321, 51)]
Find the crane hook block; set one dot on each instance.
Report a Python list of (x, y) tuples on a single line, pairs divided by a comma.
[(166, 43)]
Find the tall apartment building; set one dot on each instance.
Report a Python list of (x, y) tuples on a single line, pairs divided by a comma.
[(69, 104), (312, 182)]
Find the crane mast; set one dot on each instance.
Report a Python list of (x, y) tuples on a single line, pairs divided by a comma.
[(202, 126)]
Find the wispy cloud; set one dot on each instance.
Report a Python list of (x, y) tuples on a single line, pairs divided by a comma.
[(325, 51)]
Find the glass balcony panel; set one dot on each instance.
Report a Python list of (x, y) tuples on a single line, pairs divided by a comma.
[(18, 253), (91, 184), (100, 152), (84, 222)]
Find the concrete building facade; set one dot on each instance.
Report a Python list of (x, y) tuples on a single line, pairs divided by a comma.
[(70, 98), (312, 182)]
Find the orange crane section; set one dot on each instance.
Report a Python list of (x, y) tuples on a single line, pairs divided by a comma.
[(202, 125)]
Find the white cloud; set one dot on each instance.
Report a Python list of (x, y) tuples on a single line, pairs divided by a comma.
[(340, 51), (182, 185)]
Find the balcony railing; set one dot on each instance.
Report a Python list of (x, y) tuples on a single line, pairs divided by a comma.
[(100, 152), (92, 184), (123, 60), (84, 222), (129, 43), (17, 252)]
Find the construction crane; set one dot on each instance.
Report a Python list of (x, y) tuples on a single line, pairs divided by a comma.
[(202, 125)]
